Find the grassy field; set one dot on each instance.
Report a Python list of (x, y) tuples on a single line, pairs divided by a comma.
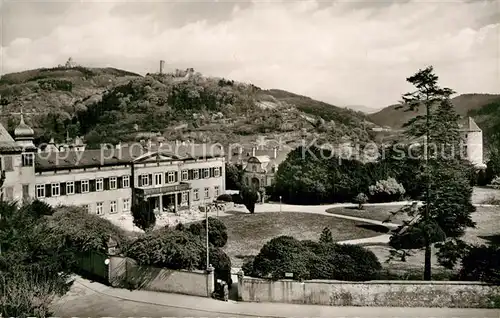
[(487, 231), (247, 233)]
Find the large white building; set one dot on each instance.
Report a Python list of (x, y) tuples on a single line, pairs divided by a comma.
[(169, 176), (473, 137)]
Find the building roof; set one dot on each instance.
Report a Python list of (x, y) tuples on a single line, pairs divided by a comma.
[(468, 124), (46, 161), (7, 143)]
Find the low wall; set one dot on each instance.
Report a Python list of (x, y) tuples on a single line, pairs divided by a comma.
[(125, 272), (373, 293)]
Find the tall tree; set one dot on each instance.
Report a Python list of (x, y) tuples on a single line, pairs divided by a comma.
[(446, 211)]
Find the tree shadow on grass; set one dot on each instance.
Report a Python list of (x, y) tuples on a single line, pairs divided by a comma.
[(492, 239), (374, 227)]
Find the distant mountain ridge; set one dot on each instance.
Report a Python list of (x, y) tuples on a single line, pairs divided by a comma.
[(464, 104)]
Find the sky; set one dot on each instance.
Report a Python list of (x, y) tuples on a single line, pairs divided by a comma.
[(341, 52)]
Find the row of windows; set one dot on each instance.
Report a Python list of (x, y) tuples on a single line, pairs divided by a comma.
[(113, 207), (82, 186), (161, 178), (27, 160), (206, 193)]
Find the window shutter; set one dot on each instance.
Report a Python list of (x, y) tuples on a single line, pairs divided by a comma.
[(92, 185), (48, 190), (139, 177), (78, 187), (106, 183), (176, 177), (62, 188), (150, 179), (9, 166), (119, 182), (200, 174), (190, 174), (212, 173)]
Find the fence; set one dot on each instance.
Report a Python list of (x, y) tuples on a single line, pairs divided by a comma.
[(125, 272), (373, 293)]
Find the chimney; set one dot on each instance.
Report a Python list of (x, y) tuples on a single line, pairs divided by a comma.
[(162, 65), (275, 153), (253, 151)]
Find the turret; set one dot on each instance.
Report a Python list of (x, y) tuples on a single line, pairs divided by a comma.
[(24, 135)]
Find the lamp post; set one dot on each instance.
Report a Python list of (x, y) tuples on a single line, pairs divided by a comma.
[(280, 203), (206, 231)]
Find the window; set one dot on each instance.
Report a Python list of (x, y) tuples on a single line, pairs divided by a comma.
[(8, 164), (207, 193), (206, 173), (99, 184), (55, 189), (254, 168), (216, 191), (171, 177), (85, 186), (126, 204), (86, 207), (98, 209), (158, 179), (185, 196), (184, 175), (70, 187), (196, 174), (40, 190), (112, 183), (217, 172), (27, 159), (196, 194), (113, 207), (144, 179), (126, 181)]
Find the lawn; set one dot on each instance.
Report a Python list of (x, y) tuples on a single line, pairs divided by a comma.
[(487, 231), (247, 233)]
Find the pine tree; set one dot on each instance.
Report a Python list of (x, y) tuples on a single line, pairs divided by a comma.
[(326, 236), (445, 214)]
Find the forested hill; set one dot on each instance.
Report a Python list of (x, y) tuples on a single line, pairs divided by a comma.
[(111, 105)]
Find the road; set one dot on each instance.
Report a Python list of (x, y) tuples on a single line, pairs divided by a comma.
[(83, 301)]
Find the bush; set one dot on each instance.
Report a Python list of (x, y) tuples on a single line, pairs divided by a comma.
[(313, 260), (481, 263), (175, 249), (496, 183), (361, 199), (281, 255), (225, 197), (386, 191), (168, 248), (217, 231), (83, 231)]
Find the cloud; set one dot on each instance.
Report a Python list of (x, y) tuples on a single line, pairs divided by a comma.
[(340, 52)]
